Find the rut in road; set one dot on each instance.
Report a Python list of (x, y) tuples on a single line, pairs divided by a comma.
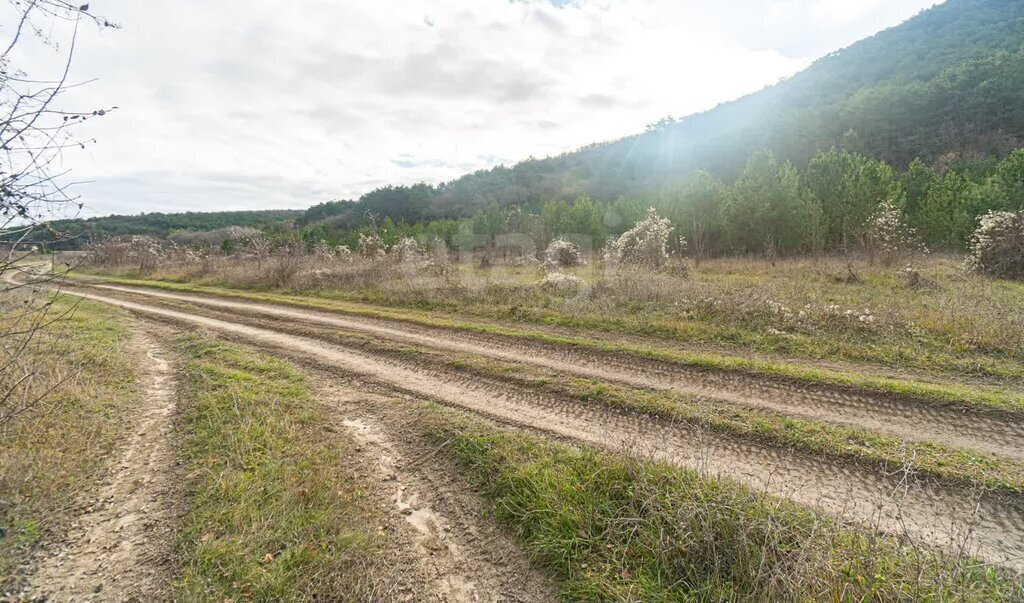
[(990, 525), (459, 557), (120, 549), (919, 422)]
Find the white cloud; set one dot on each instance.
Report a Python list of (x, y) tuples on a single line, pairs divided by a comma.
[(257, 104)]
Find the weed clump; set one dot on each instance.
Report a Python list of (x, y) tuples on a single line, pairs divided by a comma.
[(559, 282)]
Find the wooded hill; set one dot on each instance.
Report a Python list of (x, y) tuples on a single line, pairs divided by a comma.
[(946, 86)]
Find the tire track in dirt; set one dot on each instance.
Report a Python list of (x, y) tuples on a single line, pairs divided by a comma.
[(988, 524), (919, 422), (460, 558), (120, 549)]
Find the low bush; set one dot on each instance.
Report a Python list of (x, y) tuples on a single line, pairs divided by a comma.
[(997, 247), (562, 254)]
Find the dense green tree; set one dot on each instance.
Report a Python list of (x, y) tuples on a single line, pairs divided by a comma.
[(581, 220), (695, 208), (915, 184), (1008, 182), (766, 209), (948, 215), (849, 187)]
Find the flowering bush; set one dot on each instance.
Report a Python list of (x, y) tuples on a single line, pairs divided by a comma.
[(371, 245), (888, 237), (646, 244), (323, 251), (406, 250), (562, 254), (997, 246), (438, 256), (122, 251)]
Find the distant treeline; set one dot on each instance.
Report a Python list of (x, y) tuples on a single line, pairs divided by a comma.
[(771, 204), (78, 233)]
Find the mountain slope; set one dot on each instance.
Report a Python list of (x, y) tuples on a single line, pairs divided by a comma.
[(950, 80)]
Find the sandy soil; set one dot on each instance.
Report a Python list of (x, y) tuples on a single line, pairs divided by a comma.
[(990, 525), (120, 548)]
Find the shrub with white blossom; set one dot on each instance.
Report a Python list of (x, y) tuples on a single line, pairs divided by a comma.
[(997, 246), (143, 251), (646, 244), (406, 251), (438, 256), (323, 251), (562, 254), (343, 253), (371, 245), (888, 237)]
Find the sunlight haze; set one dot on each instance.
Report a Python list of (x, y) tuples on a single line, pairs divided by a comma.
[(246, 105)]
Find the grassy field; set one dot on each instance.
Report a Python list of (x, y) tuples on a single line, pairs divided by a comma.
[(937, 320), (615, 529), (998, 394), (273, 513), (61, 446)]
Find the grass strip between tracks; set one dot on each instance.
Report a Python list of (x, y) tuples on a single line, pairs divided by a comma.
[(273, 516), (942, 393), (808, 436), (613, 528), (968, 468)]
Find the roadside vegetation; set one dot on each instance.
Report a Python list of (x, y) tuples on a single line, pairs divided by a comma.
[(934, 459), (808, 436), (614, 528), (841, 350), (273, 513), (75, 382)]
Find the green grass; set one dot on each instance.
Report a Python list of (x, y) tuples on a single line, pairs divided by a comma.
[(870, 448), (946, 393), (811, 437), (862, 446), (612, 529), (273, 514), (61, 447)]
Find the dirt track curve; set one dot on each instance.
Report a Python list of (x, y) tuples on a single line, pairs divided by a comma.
[(989, 525), (906, 420)]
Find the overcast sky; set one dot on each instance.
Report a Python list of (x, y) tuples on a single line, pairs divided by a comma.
[(258, 104)]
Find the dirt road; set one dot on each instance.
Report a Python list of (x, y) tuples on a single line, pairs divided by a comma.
[(120, 549), (990, 525), (907, 420)]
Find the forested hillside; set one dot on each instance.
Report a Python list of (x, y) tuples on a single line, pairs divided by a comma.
[(946, 85), (924, 115)]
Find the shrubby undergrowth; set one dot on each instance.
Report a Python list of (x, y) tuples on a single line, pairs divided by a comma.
[(997, 247)]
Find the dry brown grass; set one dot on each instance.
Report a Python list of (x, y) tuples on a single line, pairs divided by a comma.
[(935, 318), (55, 449)]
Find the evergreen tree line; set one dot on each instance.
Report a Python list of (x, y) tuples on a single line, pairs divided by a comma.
[(772, 206)]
